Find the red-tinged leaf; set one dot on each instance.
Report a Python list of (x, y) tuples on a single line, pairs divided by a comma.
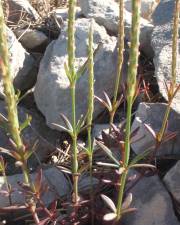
[(170, 136), (134, 132), (108, 100), (103, 103), (53, 206), (4, 193), (166, 87), (143, 165), (109, 216), (12, 208), (150, 130), (44, 221), (127, 202), (13, 154), (28, 153), (109, 202), (177, 89), (38, 181), (25, 187), (13, 143), (124, 211)]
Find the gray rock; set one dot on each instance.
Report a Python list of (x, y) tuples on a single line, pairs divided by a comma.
[(98, 128), (152, 114), (62, 13), (106, 13), (31, 38), (153, 203), (22, 64), (52, 92), (37, 131), (162, 44), (172, 181), (58, 184), (85, 183), (147, 7)]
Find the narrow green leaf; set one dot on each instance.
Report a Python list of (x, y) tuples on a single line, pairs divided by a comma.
[(108, 152), (140, 157), (62, 128), (26, 123), (67, 122)]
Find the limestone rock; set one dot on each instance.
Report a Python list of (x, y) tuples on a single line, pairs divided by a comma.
[(106, 13), (22, 64), (147, 7), (162, 46), (53, 177), (52, 91), (153, 203), (172, 181), (152, 114), (36, 132)]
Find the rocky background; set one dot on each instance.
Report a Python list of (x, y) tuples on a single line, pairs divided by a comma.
[(37, 37)]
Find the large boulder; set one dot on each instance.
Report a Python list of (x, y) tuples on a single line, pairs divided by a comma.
[(153, 204), (23, 69), (52, 90), (106, 13), (162, 46), (152, 114)]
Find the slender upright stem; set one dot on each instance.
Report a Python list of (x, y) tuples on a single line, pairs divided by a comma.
[(71, 62), (8, 87), (74, 146), (175, 42), (71, 36), (160, 135), (90, 112), (120, 57), (131, 88), (10, 96)]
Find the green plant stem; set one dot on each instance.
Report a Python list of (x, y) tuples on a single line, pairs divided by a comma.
[(120, 58), (126, 159), (74, 145), (71, 36), (175, 42), (11, 102), (10, 96), (172, 88), (90, 114), (73, 78), (131, 90)]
